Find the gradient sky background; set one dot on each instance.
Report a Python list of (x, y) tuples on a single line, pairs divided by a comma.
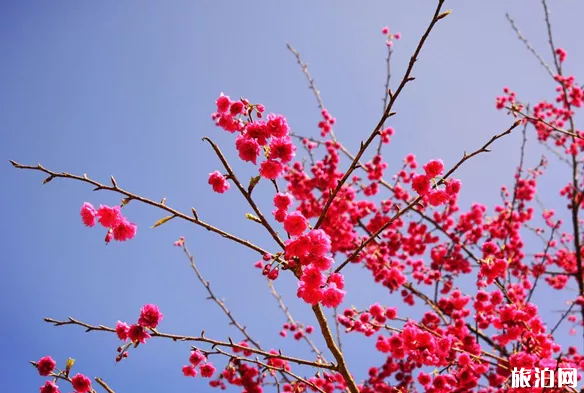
[(127, 88)]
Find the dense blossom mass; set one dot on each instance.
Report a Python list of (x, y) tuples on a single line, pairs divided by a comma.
[(472, 268), (118, 227)]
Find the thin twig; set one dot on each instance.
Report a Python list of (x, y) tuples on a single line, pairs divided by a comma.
[(393, 97), (104, 385), (131, 196), (246, 194), (281, 370), (220, 303), (291, 320), (528, 45), (202, 338)]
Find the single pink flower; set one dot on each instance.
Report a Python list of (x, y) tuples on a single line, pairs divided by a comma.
[(197, 358), (248, 148), (81, 383), (295, 223), (312, 277), (138, 334), (421, 184), (333, 296), (122, 330), (434, 168), (282, 201), (223, 103), (49, 387), (338, 279), (438, 197), (108, 216), (277, 125), (236, 108), (453, 187), (218, 182), (189, 371), (258, 131), (310, 295), (46, 365), (280, 215), (150, 316), (124, 231), (88, 214), (271, 169), (320, 242), (282, 149), (207, 370)]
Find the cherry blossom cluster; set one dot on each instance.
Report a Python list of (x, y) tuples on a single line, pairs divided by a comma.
[(298, 331), (46, 366), (239, 373), (327, 123), (367, 322), (309, 253), (254, 135), (422, 184), (137, 333), (390, 36), (432, 255), (198, 359), (118, 226)]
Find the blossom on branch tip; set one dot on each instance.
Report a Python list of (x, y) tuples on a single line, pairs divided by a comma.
[(218, 182), (150, 316), (45, 366)]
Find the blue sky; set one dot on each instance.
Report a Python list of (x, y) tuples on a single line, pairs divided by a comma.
[(127, 88)]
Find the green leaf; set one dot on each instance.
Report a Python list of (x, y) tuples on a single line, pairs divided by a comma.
[(252, 183), (251, 217), (162, 221)]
